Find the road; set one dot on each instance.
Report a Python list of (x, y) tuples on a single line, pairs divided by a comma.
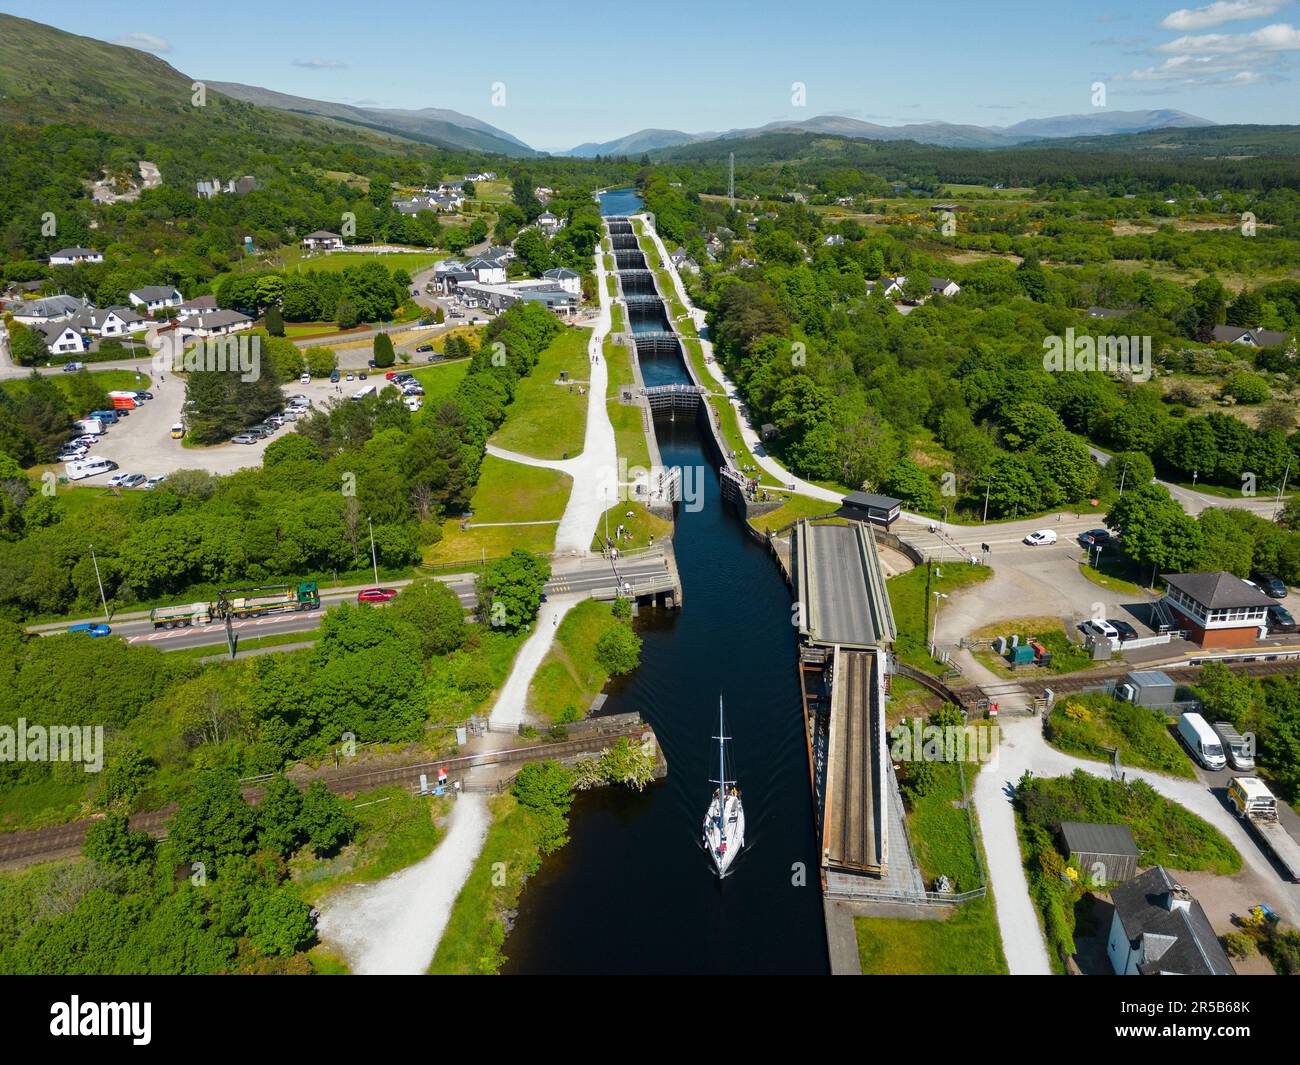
[(580, 577)]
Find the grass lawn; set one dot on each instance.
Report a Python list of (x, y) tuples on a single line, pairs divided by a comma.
[(629, 435), (108, 380), (440, 380), (642, 525), (1091, 725), (1105, 579), (569, 677), (966, 943), (907, 597), (506, 492), (545, 419), (472, 941), (794, 508), (412, 262), (939, 828)]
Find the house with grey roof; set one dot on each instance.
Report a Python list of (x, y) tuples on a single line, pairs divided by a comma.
[(48, 309), (568, 280), (155, 297), (549, 221), (1159, 929), (942, 286), (322, 240), (213, 324), (487, 271), (75, 256), (1255, 338), (62, 338), (198, 305)]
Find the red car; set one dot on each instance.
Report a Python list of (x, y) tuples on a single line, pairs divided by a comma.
[(376, 595)]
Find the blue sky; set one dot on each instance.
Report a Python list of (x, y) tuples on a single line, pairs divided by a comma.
[(581, 72)]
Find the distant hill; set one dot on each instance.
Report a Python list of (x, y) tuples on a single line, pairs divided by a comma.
[(1212, 142), (429, 125), (943, 134), (48, 76)]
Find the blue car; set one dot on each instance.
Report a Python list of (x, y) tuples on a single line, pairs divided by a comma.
[(94, 628)]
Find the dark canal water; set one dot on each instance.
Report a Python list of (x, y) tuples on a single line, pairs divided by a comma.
[(633, 891)]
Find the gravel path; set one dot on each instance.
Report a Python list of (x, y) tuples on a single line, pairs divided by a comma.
[(392, 928)]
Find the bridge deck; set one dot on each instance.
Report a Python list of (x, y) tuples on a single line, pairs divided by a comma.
[(842, 587), (853, 835)]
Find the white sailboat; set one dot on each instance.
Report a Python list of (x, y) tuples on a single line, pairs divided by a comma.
[(724, 824)]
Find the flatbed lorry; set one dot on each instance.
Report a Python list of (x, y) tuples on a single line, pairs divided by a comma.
[(1257, 806), (237, 603)]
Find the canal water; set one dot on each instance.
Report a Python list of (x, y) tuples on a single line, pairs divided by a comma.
[(633, 891)]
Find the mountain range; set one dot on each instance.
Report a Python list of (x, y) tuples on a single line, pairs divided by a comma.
[(943, 134)]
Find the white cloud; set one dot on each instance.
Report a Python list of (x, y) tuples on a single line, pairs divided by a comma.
[(1216, 14), (145, 42), (320, 64), (1279, 37)]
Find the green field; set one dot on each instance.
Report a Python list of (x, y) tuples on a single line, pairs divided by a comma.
[(569, 677), (548, 419), (506, 492), (440, 380), (412, 262), (642, 525), (907, 598), (795, 508), (1093, 725), (966, 943)]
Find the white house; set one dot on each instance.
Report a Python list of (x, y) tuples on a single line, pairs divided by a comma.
[(62, 338), (1158, 929), (322, 240), (893, 285), (49, 309), (155, 297), (198, 305), (75, 256), (568, 280), (112, 322), (487, 271), (1254, 338), (213, 324), (942, 286), (549, 221)]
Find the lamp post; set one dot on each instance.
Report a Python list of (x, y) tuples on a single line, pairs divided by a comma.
[(374, 559), (934, 632), (99, 581)]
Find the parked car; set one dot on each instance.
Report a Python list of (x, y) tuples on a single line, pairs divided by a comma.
[(425, 347), (334, 377), (71, 453), (370, 363), (299, 398), (142, 396), (155, 480), (133, 480), (116, 480), (1270, 585), (432, 356), (91, 466), (1280, 620), (1094, 538), (350, 376), (362, 375), (91, 628), (305, 379), (73, 367), (1125, 630), (456, 314), (1042, 536), (275, 420), (376, 595), (244, 438), (1099, 628)]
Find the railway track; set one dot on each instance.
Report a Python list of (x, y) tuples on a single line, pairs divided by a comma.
[(61, 841)]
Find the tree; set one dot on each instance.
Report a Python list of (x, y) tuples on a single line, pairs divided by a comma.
[(435, 612), (212, 820), (619, 650), (346, 314), (280, 923), (383, 351), (279, 817), (321, 361), (546, 790), (274, 322), (910, 484), (510, 590), (325, 819), (1156, 531), (111, 842)]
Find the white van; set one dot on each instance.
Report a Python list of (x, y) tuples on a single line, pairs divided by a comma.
[(89, 426), (362, 393), (1202, 741), (91, 466)]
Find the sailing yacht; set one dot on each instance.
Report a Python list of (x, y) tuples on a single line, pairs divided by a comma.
[(724, 824)]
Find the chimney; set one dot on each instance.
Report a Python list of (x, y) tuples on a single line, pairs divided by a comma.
[(1178, 898)]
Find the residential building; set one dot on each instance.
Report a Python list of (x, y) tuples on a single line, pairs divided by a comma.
[(568, 280), (198, 305), (833, 240), (1159, 929), (487, 271), (322, 240), (62, 338), (1255, 338), (502, 297), (549, 221), (213, 324), (1216, 609), (49, 309), (942, 286), (156, 297), (75, 256)]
